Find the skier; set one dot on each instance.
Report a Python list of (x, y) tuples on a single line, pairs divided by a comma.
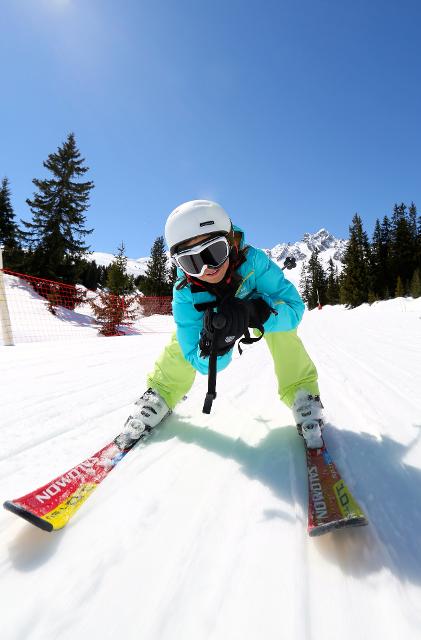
[(219, 273)]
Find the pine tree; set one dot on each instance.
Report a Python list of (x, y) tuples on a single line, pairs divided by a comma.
[(303, 285), (415, 288), (173, 276), (400, 289), (118, 281), (112, 312), (157, 278), (9, 232), (386, 259), (10, 235), (90, 275), (415, 225), (403, 245), (114, 307), (355, 280), (56, 234), (412, 219), (378, 275), (332, 290), (317, 282)]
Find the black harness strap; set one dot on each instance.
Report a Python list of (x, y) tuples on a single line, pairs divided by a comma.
[(211, 394), (248, 339)]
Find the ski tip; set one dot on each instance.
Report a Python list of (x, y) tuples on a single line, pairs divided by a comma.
[(321, 529), (28, 516)]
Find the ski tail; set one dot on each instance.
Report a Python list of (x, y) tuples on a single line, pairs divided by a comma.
[(33, 518), (51, 506), (331, 504)]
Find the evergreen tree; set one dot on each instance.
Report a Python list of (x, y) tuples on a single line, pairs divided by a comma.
[(56, 234), (316, 282), (114, 307), (381, 272), (303, 286), (91, 275), (118, 281), (403, 246), (173, 276), (10, 235), (386, 259), (377, 267), (140, 283), (332, 290), (102, 276), (412, 219), (157, 279), (400, 290), (355, 280), (416, 284), (112, 311), (9, 232), (415, 225)]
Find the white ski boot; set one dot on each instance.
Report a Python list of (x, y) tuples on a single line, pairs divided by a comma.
[(151, 410), (307, 410)]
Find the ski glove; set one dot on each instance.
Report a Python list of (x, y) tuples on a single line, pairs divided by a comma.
[(222, 329), (259, 312), (233, 319)]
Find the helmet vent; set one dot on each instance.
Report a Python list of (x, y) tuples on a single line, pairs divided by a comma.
[(207, 223)]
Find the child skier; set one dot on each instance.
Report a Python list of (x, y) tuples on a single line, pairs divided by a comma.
[(219, 273)]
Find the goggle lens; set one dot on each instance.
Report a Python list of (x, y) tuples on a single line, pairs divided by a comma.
[(196, 262)]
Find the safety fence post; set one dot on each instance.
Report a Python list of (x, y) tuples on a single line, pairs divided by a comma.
[(6, 326)]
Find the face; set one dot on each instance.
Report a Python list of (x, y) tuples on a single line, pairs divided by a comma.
[(212, 276)]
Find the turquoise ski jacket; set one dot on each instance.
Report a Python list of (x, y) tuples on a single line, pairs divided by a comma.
[(261, 277)]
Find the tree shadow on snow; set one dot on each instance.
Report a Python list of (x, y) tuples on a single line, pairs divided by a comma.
[(387, 488)]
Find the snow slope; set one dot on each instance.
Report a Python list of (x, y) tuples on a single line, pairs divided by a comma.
[(201, 533)]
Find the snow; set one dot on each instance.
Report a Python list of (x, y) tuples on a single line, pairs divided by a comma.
[(201, 533)]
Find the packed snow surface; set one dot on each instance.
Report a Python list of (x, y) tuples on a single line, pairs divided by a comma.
[(201, 533)]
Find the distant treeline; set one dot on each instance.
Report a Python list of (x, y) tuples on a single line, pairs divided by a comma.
[(389, 266)]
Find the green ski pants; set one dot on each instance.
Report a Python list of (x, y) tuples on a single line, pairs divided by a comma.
[(173, 375)]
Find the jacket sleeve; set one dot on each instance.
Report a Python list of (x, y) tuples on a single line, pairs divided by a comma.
[(278, 292), (189, 323)]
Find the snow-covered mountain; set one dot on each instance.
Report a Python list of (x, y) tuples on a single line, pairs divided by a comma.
[(325, 242), (322, 240)]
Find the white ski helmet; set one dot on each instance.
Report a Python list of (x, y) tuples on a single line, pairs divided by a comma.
[(195, 218)]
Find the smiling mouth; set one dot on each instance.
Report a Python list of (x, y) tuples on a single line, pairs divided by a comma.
[(213, 272)]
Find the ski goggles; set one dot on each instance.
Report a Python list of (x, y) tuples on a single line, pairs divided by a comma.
[(196, 259)]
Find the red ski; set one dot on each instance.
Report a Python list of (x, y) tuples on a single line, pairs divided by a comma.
[(50, 507), (330, 502)]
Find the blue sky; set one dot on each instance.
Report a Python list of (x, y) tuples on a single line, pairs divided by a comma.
[(292, 114)]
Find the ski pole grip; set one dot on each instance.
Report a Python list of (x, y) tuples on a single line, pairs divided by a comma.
[(211, 394), (210, 397)]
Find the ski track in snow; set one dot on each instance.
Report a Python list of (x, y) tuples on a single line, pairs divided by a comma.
[(200, 533)]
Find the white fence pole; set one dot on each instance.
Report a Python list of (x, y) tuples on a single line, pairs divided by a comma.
[(6, 327)]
